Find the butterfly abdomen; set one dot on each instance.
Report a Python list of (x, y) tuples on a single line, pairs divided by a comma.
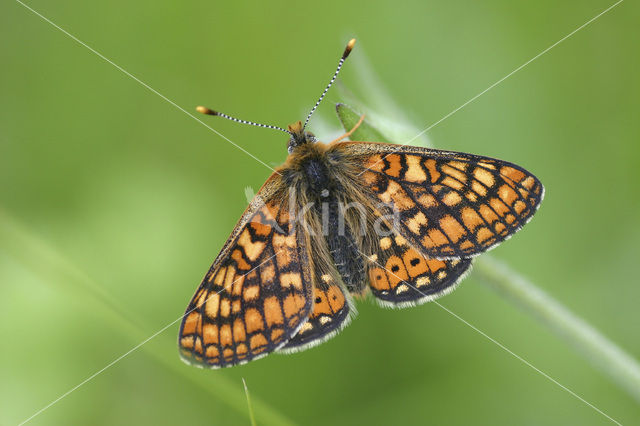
[(343, 247)]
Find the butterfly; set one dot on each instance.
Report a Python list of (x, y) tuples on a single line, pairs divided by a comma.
[(343, 220)]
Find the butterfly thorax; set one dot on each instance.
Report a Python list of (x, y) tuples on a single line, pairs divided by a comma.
[(317, 179)]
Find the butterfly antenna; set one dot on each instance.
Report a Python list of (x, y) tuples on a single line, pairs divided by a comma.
[(347, 50), (207, 111)]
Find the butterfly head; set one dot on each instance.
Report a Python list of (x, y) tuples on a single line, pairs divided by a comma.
[(298, 136)]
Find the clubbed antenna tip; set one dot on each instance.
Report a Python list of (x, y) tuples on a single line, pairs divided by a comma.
[(208, 111), (205, 110), (349, 48)]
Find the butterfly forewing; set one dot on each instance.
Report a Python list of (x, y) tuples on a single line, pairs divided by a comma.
[(257, 293), (450, 205)]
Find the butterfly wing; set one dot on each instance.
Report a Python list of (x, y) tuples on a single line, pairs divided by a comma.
[(449, 204), (331, 313), (400, 276), (258, 292)]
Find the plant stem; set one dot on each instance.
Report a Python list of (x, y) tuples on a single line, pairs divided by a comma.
[(604, 354), (246, 392)]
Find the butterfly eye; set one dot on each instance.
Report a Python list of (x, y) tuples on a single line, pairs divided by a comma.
[(298, 139), (292, 145)]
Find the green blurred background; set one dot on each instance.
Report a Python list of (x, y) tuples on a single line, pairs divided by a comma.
[(113, 203)]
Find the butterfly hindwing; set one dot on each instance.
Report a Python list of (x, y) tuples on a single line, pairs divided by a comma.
[(331, 312), (450, 205), (400, 276), (257, 293)]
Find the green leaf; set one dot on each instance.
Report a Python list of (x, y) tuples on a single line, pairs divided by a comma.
[(365, 132)]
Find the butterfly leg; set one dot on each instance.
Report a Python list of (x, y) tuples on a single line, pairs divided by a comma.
[(346, 135)]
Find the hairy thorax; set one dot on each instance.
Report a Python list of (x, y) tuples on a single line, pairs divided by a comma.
[(321, 184)]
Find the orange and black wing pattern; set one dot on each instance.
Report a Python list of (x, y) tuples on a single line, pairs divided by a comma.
[(450, 205), (400, 276), (331, 313), (257, 294)]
